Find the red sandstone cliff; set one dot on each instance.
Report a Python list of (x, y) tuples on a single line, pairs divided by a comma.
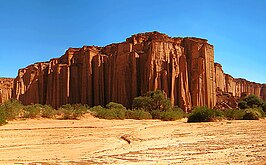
[(229, 89), (6, 85), (182, 67)]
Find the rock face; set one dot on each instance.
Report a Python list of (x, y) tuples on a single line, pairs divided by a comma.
[(230, 89), (182, 67), (6, 85)]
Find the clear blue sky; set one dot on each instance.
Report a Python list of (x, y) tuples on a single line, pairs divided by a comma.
[(38, 30)]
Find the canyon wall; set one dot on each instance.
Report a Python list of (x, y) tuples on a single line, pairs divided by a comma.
[(236, 86), (6, 85), (182, 67), (230, 89)]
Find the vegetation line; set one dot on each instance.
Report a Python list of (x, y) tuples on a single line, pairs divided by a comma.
[(152, 105)]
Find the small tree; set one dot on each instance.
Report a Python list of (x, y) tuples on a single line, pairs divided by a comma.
[(153, 100), (12, 109), (242, 104), (253, 101)]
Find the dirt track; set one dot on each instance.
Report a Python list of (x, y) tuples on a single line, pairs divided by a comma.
[(97, 141)]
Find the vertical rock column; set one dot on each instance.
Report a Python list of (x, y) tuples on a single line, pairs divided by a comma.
[(6, 86), (219, 77), (184, 96), (210, 86), (201, 71), (230, 84), (263, 92), (51, 91), (87, 89), (99, 79)]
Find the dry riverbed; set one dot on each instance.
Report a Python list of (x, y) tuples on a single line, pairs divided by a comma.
[(97, 141)]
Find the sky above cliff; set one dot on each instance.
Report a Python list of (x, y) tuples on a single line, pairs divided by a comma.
[(38, 30)]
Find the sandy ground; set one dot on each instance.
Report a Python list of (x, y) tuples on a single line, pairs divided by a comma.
[(97, 141)]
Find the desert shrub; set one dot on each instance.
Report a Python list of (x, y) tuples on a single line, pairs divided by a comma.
[(234, 114), (48, 112), (98, 111), (262, 114), (138, 114), (151, 101), (156, 114), (142, 102), (242, 104), (70, 112), (95, 109), (2, 117), (170, 115), (111, 113), (175, 114), (181, 111), (11, 109), (264, 107), (160, 109), (113, 105), (253, 101), (31, 111), (80, 109), (204, 114), (119, 113), (252, 114)]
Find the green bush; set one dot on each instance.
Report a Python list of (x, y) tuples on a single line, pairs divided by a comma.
[(260, 110), (95, 109), (2, 117), (247, 114), (48, 112), (183, 113), (151, 101), (175, 114), (243, 104), (70, 112), (171, 115), (233, 114), (253, 101), (252, 114), (264, 107), (113, 105), (114, 111), (111, 114), (138, 114), (32, 111), (156, 114), (11, 109), (204, 114), (158, 105)]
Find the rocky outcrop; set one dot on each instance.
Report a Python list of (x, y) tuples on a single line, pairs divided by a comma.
[(230, 89), (6, 85), (182, 67)]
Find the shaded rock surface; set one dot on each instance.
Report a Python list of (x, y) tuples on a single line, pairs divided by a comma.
[(182, 67), (6, 85)]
